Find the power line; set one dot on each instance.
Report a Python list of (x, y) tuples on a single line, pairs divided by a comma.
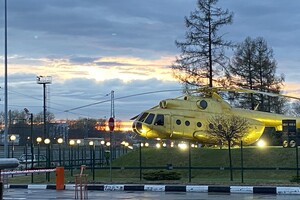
[(95, 103), (128, 96)]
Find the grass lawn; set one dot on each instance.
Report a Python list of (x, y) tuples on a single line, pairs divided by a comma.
[(271, 165)]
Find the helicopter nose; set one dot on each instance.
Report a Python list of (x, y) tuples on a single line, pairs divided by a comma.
[(137, 127)]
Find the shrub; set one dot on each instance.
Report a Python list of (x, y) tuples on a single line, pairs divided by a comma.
[(161, 175), (295, 179)]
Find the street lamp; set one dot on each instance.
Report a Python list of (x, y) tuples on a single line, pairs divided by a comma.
[(38, 140), (47, 142), (92, 148), (78, 142), (71, 143), (102, 142), (12, 138), (140, 158), (31, 139), (59, 141)]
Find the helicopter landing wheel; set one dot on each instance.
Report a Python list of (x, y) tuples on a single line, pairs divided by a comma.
[(285, 144), (293, 143)]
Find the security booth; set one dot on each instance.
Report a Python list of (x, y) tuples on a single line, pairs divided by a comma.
[(290, 134)]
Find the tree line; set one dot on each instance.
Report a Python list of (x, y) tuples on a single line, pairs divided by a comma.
[(19, 123)]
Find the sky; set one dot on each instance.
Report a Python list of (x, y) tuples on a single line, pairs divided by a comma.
[(93, 47)]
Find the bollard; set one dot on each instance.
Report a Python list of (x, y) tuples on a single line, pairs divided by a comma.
[(60, 178)]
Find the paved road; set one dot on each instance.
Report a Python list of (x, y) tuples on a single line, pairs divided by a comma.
[(24, 194)]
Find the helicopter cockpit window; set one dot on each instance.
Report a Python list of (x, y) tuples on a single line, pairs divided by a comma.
[(149, 119), (159, 121), (142, 117)]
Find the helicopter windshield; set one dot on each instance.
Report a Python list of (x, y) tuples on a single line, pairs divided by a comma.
[(142, 117), (149, 119)]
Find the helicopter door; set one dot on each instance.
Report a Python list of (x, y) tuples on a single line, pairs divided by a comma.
[(167, 124), (162, 124)]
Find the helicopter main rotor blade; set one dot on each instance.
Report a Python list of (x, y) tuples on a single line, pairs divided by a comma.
[(261, 92), (240, 90)]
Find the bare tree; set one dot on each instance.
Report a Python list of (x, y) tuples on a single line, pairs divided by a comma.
[(202, 52), (229, 129), (39, 117), (101, 124)]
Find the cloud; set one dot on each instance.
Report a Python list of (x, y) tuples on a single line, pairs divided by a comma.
[(92, 47), (65, 99)]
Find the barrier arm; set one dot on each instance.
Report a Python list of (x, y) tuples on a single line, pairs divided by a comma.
[(6, 163)]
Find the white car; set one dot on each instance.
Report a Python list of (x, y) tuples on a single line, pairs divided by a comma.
[(39, 161)]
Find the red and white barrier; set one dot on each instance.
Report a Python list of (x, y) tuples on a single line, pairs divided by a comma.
[(27, 171)]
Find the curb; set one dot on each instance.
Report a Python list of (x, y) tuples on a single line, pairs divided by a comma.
[(171, 188)]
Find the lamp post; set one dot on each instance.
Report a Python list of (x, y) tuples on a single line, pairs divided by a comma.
[(47, 142), (102, 142), (59, 141), (190, 163), (31, 139), (242, 162), (92, 147), (71, 143), (140, 156), (109, 159), (12, 138), (38, 140), (78, 142)]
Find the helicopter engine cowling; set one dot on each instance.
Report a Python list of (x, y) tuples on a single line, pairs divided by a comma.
[(163, 104)]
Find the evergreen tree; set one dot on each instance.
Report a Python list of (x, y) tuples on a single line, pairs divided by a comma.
[(254, 67), (202, 52)]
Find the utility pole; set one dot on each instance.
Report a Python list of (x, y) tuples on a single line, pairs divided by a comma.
[(112, 106), (111, 127), (5, 84)]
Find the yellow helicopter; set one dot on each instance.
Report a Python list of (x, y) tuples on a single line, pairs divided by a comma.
[(185, 118)]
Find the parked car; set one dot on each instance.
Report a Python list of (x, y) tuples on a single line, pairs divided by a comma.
[(39, 161)]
